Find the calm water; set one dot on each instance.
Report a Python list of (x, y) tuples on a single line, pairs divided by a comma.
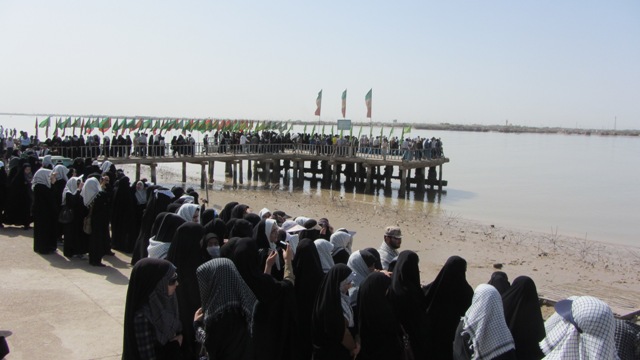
[(586, 186)]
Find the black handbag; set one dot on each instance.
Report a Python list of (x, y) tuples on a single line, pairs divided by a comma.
[(66, 215)]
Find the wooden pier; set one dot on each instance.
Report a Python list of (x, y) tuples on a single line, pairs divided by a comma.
[(361, 166)]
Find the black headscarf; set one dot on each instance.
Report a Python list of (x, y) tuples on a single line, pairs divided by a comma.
[(308, 272), (376, 255), (240, 228), (208, 215), (158, 221), (448, 298), (148, 287), (260, 236), (254, 219), (524, 318), (328, 321), (500, 281), (239, 211), (173, 207), (379, 328), (227, 250), (216, 226), (177, 191), (168, 228), (225, 214)]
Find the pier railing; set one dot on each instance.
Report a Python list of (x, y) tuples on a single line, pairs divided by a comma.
[(200, 150)]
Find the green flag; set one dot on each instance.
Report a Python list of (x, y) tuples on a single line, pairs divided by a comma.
[(313, 129), (322, 129), (407, 129), (304, 131), (46, 122), (332, 130), (360, 132), (391, 132)]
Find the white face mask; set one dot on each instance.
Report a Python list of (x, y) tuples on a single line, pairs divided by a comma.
[(214, 251)]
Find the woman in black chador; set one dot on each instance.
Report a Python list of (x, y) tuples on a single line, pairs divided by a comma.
[(184, 253), (18, 208), (60, 172), (308, 271), (123, 216), (407, 299), (158, 200), (332, 317), (448, 298), (44, 212), (97, 201), (76, 242), (152, 327)]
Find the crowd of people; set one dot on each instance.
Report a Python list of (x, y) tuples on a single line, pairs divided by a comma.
[(245, 284), (142, 144)]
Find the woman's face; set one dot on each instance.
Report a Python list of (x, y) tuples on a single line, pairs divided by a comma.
[(173, 284), (27, 170), (196, 216), (139, 186), (273, 235)]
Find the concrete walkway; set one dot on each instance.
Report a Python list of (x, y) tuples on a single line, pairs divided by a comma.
[(52, 307)]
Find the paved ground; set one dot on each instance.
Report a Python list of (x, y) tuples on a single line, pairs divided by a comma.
[(52, 307)]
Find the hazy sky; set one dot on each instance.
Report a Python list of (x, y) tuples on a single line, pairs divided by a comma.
[(536, 63)]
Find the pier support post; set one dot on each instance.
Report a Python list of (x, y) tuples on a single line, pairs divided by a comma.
[(440, 178), (203, 175), (137, 172), (249, 174), (211, 168), (403, 181), (235, 175), (388, 173), (267, 173), (184, 172), (367, 187), (240, 174), (153, 172)]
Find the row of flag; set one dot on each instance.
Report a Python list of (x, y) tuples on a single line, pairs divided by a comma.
[(116, 125), (367, 102), (103, 125)]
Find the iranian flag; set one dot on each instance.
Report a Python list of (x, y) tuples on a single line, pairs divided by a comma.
[(318, 103), (367, 101), (344, 103), (46, 123), (105, 125)]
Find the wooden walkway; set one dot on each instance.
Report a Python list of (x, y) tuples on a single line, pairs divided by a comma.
[(358, 165), (623, 307)]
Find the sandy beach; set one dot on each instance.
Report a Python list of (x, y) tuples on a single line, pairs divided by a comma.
[(561, 266)]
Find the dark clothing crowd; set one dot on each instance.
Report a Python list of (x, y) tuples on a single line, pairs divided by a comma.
[(239, 284)]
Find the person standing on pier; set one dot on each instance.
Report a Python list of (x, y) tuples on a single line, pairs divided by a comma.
[(389, 248)]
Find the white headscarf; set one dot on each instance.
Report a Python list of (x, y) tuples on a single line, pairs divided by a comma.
[(61, 172), (187, 211), (141, 195), (46, 161), (106, 165), (595, 319), (72, 187), (90, 190), (360, 270), (268, 226), (300, 220), (263, 211), (341, 240), (187, 199), (485, 324), (324, 251), (42, 176)]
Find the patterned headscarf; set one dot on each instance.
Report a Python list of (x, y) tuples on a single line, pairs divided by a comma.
[(594, 339), (222, 289), (485, 324), (162, 310)]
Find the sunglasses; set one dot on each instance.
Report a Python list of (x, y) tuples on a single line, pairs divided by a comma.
[(174, 279)]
